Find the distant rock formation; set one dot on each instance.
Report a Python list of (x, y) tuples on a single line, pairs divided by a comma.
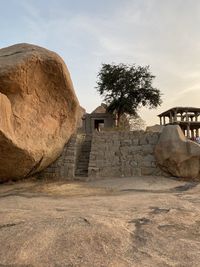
[(38, 109), (178, 155)]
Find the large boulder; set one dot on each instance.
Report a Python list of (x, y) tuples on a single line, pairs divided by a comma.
[(178, 155), (81, 113), (38, 109)]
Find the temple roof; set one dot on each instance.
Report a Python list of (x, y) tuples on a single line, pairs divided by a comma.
[(100, 109)]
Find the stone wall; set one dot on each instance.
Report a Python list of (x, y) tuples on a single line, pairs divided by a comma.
[(64, 166), (115, 154)]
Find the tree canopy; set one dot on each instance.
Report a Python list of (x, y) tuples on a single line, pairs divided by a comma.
[(126, 88), (131, 123)]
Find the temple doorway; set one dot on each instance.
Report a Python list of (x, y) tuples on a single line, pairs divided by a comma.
[(98, 124)]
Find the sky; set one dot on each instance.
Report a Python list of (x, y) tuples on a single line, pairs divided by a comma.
[(164, 34)]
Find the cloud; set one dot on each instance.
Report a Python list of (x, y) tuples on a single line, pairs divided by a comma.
[(162, 34)]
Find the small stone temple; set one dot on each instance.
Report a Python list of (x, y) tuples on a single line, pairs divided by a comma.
[(97, 120), (186, 117)]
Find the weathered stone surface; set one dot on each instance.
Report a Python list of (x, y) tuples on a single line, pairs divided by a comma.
[(178, 155), (38, 109), (64, 166), (131, 154), (134, 222), (155, 128)]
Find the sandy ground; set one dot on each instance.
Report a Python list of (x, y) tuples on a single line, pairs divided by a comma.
[(138, 221)]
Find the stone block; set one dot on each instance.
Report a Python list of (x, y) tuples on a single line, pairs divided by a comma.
[(117, 153), (138, 158), (93, 172), (110, 172), (92, 164), (147, 149), (115, 142), (127, 172), (135, 141), (127, 142), (70, 153), (153, 164), (70, 160), (134, 149), (124, 150), (147, 171), (133, 164), (149, 158), (146, 164), (143, 140), (152, 138), (136, 172), (92, 157)]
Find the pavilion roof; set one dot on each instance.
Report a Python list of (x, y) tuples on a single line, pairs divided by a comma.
[(179, 109)]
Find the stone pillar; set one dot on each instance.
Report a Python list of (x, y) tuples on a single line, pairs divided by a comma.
[(160, 120), (192, 134), (164, 119), (188, 131), (182, 117), (170, 118), (175, 116), (187, 118), (197, 132), (196, 117)]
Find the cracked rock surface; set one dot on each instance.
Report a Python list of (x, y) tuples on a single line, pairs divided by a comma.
[(101, 223), (38, 109)]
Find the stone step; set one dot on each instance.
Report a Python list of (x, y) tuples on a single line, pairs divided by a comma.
[(82, 171), (85, 149), (86, 143), (82, 160), (81, 175), (84, 156), (82, 167)]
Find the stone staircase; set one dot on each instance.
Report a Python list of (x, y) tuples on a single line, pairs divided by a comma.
[(83, 155)]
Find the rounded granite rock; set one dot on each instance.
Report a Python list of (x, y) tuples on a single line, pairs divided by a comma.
[(38, 108), (177, 155)]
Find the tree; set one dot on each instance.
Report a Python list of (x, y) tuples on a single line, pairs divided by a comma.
[(131, 123), (136, 123), (126, 88)]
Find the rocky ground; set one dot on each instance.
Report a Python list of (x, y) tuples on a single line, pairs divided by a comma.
[(144, 221)]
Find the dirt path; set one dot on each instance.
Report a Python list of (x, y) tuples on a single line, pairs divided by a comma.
[(145, 221)]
